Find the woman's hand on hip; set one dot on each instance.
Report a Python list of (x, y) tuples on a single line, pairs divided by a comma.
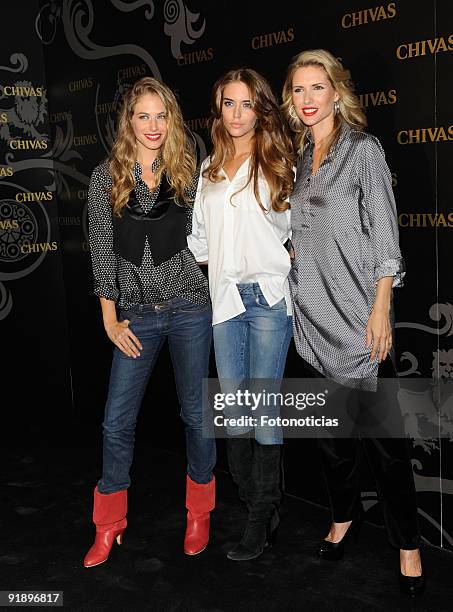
[(122, 337), (379, 334)]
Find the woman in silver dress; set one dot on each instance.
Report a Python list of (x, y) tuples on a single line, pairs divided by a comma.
[(347, 260)]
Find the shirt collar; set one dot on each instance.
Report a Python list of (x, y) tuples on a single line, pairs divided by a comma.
[(344, 131), (242, 170), (154, 166)]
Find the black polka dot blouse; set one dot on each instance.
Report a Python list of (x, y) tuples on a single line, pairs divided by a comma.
[(119, 280)]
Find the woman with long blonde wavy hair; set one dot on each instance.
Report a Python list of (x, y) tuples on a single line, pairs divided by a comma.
[(177, 158), (347, 260), (150, 289), (240, 225)]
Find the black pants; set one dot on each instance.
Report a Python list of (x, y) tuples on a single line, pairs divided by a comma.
[(390, 465)]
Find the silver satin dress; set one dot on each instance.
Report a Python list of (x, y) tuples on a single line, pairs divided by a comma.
[(345, 237)]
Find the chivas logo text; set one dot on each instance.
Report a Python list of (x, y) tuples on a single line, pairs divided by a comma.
[(8, 224), (426, 219), (6, 171), (38, 247), (81, 84), (195, 57), (131, 71), (24, 91), (423, 47), (25, 145), (33, 196), (273, 38), (421, 135), (378, 98), (369, 15), (200, 123), (105, 108), (61, 116), (88, 139)]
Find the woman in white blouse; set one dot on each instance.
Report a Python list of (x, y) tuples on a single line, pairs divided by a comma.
[(240, 225)]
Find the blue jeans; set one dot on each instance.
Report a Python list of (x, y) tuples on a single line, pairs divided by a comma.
[(188, 328), (251, 346)]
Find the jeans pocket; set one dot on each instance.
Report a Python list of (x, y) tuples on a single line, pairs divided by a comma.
[(261, 301), (130, 314)]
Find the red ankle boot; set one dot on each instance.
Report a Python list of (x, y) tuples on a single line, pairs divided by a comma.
[(200, 500), (109, 516)]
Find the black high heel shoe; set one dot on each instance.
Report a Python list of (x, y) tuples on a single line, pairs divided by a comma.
[(413, 586), (334, 551), (256, 538)]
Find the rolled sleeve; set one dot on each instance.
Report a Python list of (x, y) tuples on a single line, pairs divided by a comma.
[(377, 198), (391, 267), (100, 230)]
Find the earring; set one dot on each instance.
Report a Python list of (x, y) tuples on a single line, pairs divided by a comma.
[(292, 113), (336, 107)]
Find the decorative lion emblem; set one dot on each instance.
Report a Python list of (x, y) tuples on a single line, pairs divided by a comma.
[(442, 365), (442, 391), (429, 414), (25, 116)]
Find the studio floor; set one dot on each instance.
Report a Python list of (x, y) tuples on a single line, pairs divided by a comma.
[(46, 528)]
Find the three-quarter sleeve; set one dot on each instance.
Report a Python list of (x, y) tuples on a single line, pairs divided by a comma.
[(377, 198), (100, 229), (197, 240)]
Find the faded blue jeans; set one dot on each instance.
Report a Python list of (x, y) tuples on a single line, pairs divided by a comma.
[(250, 347), (188, 328)]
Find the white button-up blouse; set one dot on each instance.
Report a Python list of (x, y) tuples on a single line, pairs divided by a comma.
[(242, 243)]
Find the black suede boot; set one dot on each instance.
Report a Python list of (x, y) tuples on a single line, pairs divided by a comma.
[(264, 495), (240, 461)]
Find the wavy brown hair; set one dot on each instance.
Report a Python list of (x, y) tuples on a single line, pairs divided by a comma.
[(349, 108), (177, 155), (272, 150)]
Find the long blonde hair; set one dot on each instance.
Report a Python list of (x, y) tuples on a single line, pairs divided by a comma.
[(349, 108), (272, 150), (177, 156)]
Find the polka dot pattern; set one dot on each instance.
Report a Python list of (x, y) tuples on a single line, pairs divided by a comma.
[(345, 236), (120, 280)]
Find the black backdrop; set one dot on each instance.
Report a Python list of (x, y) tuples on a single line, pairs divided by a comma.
[(73, 59)]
